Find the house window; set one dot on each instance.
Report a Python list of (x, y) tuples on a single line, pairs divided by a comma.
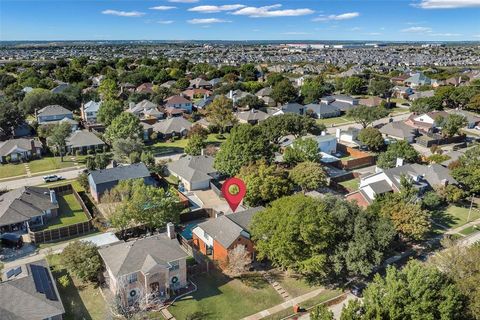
[(132, 278)]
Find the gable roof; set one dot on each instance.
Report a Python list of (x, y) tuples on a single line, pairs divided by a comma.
[(141, 255), (53, 110), (21, 300), (176, 100), (399, 129), (92, 106), (83, 138), (8, 146), (176, 124), (133, 171), (22, 204), (193, 168), (252, 115), (227, 228)]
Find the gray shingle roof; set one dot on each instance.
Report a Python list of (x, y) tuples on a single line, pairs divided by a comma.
[(6, 147), (21, 204), (193, 168), (53, 110), (398, 129), (141, 255), (380, 187), (20, 300), (133, 171), (80, 139), (176, 124)]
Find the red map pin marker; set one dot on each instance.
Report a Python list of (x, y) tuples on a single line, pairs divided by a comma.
[(233, 191)]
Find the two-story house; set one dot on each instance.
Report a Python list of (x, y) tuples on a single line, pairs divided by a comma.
[(194, 172), (149, 269), (179, 102), (54, 114), (89, 111)]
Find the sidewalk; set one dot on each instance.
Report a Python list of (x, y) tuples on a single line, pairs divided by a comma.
[(287, 304)]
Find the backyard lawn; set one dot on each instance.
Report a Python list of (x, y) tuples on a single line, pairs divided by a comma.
[(350, 185), (81, 300), (69, 212), (219, 297), (455, 216), (12, 170), (178, 145)]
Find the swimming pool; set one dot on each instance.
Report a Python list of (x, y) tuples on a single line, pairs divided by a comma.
[(187, 230)]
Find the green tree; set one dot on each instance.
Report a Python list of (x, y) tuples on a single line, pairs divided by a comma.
[(101, 160), (354, 85), (424, 105), (452, 124), (195, 145), (122, 148), (251, 102), (321, 312), (302, 150), (352, 310), (380, 87), (244, 145), (474, 103), (58, 138), (279, 126), (10, 118), (220, 114), (467, 172), (90, 163), (40, 98), (415, 292), (109, 110), (366, 115), (314, 89), (126, 125), (108, 89), (81, 259), (308, 175), (400, 149), (372, 138), (264, 183), (284, 91)]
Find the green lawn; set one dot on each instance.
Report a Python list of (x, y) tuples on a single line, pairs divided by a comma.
[(469, 230), (81, 300), (294, 284), (455, 216), (69, 212), (322, 297), (219, 297), (350, 185), (178, 145), (52, 163), (334, 121), (12, 170)]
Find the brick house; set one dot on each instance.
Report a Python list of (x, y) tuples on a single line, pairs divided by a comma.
[(150, 268), (215, 238)]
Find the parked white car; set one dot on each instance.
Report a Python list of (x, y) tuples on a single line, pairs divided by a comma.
[(52, 178)]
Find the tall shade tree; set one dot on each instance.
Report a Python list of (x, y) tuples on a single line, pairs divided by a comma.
[(354, 85), (284, 91), (452, 124), (220, 114), (81, 258), (400, 149), (108, 89), (244, 145), (195, 144), (308, 175), (109, 110), (302, 150), (326, 240), (313, 89), (276, 127), (321, 312), (380, 87), (125, 126), (415, 292), (10, 118), (365, 116), (123, 148), (58, 138), (372, 138), (264, 183), (467, 171)]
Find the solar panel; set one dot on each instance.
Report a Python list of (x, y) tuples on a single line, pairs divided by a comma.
[(43, 282)]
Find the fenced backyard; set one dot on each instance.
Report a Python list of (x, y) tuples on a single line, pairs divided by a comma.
[(74, 218)]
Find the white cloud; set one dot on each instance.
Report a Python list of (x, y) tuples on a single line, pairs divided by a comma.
[(446, 34), (206, 21), (212, 9), (337, 17), (165, 21), (123, 13), (183, 1), (269, 12), (447, 4), (163, 8), (417, 29), (373, 33)]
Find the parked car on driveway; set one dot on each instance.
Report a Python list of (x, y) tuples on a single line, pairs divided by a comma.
[(52, 178)]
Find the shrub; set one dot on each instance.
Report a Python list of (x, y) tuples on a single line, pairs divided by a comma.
[(64, 281), (90, 151), (78, 153), (431, 200)]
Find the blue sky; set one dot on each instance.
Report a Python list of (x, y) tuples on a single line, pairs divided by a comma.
[(240, 20)]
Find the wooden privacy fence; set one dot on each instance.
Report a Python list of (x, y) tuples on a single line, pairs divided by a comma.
[(69, 231)]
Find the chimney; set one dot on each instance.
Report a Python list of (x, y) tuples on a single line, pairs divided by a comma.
[(230, 94), (32, 147), (202, 152), (399, 162), (338, 133), (171, 230), (53, 197)]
